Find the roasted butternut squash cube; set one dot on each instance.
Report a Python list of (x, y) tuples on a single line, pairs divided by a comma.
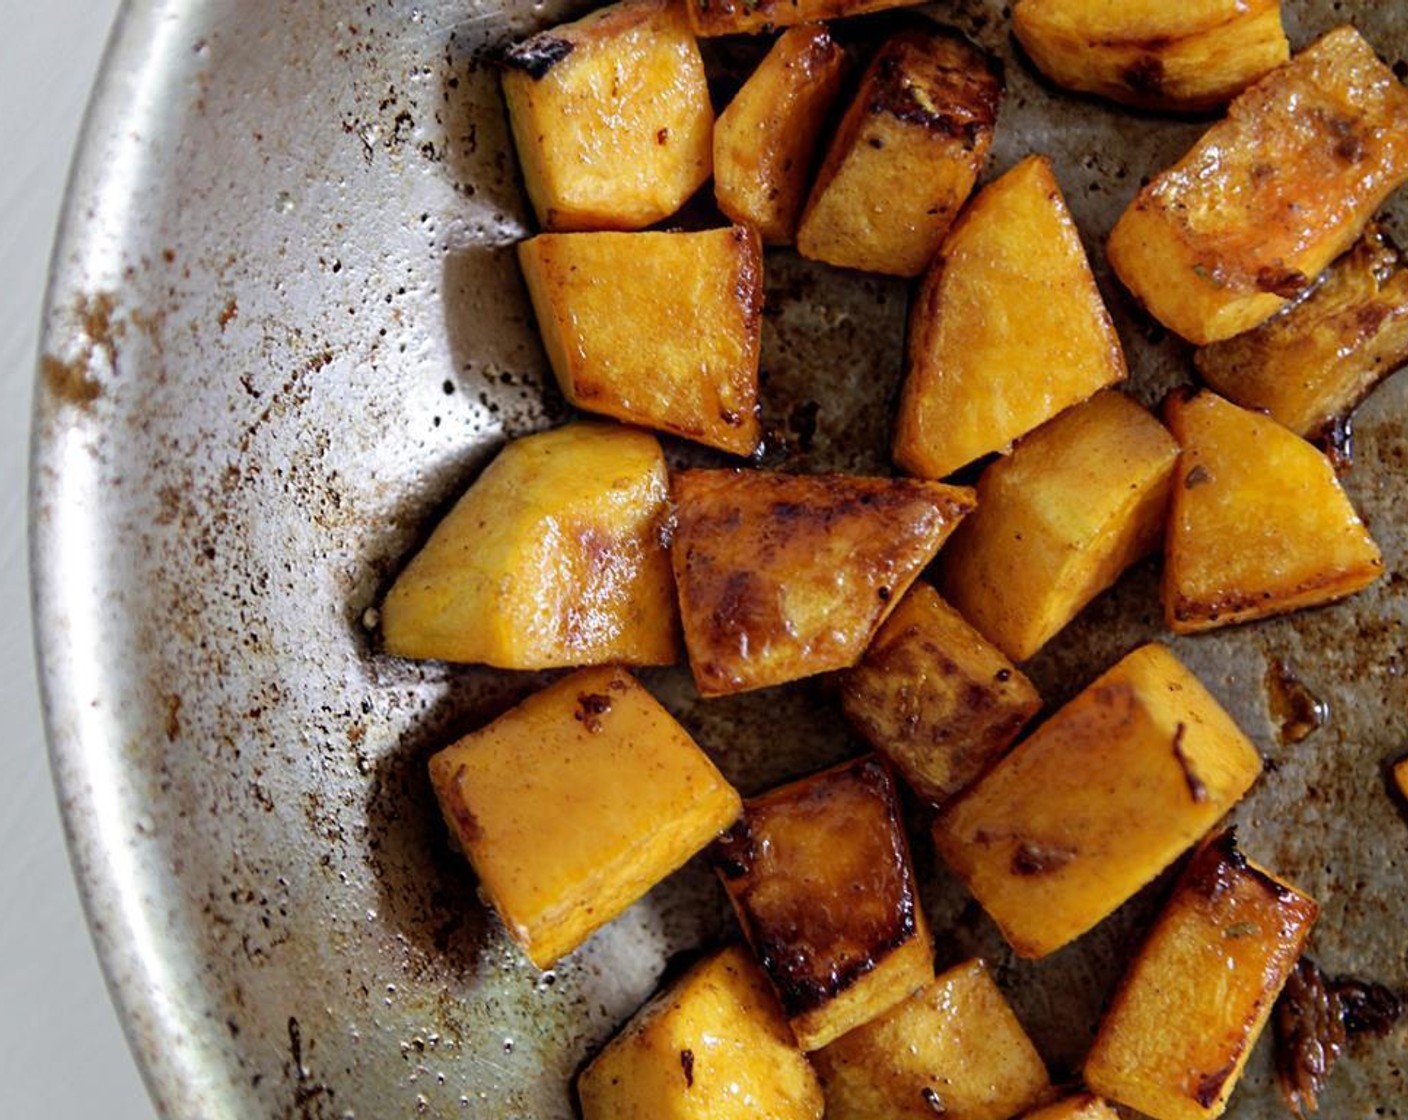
[(552, 558), (905, 156), (1083, 1106), (575, 803), (1312, 363), (714, 1046), (954, 1049), (1187, 56), (784, 576), (1270, 195), (934, 697), (1400, 776), (819, 875), (1078, 501), (1007, 329), (1097, 802), (767, 140), (1258, 524), (611, 117), (657, 329), (1185, 1019), (752, 17)]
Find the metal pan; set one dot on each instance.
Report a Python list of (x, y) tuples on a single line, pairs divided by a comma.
[(284, 328)]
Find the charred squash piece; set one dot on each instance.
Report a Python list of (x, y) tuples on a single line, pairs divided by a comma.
[(767, 140), (1083, 1106), (753, 17), (1188, 1013), (1312, 363), (552, 558), (953, 1048), (1187, 56), (1259, 524), (574, 804), (713, 1046), (1269, 196), (933, 696), (783, 576), (1007, 329), (611, 117), (905, 157), (1078, 501), (819, 875), (657, 329), (1097, 802)]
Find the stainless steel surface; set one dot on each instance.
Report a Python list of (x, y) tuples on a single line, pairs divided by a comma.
[(284, 329), (51, 986)]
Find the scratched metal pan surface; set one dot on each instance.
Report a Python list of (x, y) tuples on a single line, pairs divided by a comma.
[(285, 329)]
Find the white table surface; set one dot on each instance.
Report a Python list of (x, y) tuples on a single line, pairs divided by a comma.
[(62, 1052)]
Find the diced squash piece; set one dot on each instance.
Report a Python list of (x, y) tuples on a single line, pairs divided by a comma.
[(1007, 329), (1078, 501), (767, 140), (657, 329), (819, 875), (552, 558), (1270, 195), (933, 696), (1185, 1019), (735, 17), (1097, 802), (714, 1046), (1187, 56), (1083, 1106), (1400, 776), (784, 576), (575, 803), (1258, 524), (611, 116), (905, 156), (1312, 363), (952, 1049)]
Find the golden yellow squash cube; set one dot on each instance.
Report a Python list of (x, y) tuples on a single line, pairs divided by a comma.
[(1083, 1106), (713, 1046), (1190, 1009), (1077, 502), (734, 17), (1097, 802), (575, 803), (954, 1049), (1196, 54), (1270, 195), (819, 875), (905, 157), (611, 116), (934, 697), (657, 329), (767, 140), (1400, 777), (1007, 329), (1258, 524), (784, 576), (552, 558), (1312, 363)]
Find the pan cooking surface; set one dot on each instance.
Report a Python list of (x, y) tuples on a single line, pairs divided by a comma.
[(285, 329)]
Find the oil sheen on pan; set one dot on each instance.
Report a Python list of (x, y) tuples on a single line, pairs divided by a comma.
[(285, 329)]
